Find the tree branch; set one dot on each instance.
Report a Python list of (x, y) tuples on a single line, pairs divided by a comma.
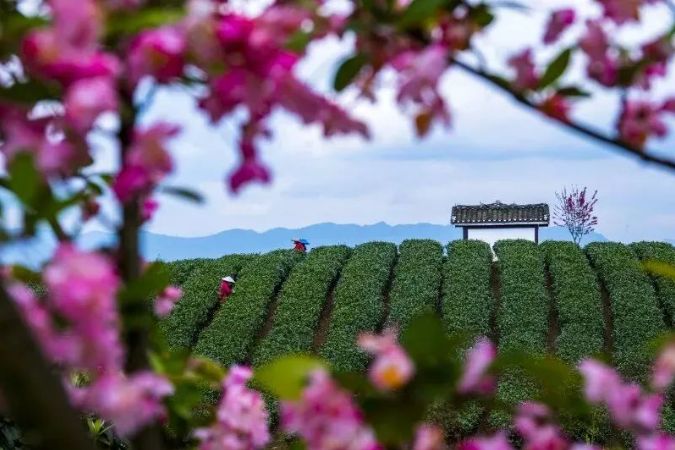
[(35, 396), (575, 126), (149, 438)]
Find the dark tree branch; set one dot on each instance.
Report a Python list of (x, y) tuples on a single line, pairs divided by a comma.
[(33, 393), (137, 340), (585, 130)]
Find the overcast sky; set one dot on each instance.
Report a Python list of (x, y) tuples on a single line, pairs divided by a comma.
[(494, 151)]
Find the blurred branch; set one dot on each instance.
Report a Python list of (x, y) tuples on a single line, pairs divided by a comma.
[(35, 396), (582, 129), (149, 438)]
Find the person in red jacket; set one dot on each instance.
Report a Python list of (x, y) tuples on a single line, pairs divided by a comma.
[(300, 244), (226, 288)]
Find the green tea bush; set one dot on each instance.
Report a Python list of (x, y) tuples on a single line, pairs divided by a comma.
[(358, 303), (200, 298), (665, 287), (181, 270), (635, 311), (231, 334), (300, 302), (467, 295), (523, 316), (417, 281), (577, 301)]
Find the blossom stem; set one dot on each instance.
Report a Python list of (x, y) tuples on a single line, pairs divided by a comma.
[(575, 126), (33, 393), (130, 269)]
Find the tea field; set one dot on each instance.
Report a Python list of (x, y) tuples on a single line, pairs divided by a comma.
[(551, 298)]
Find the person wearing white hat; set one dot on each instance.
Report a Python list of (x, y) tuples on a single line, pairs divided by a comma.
[(226, 285)]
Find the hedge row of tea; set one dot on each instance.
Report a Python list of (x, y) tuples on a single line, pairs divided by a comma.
[(577, 301), (200, 298), (231, 334), (417, 281), (636, 317), (665, 287), (358, 304), (300, 303), (522, 319)]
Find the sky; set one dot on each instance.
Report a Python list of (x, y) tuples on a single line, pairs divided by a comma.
[(495, 150)]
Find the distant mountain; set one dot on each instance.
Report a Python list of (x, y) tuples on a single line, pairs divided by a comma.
[(169, 248)]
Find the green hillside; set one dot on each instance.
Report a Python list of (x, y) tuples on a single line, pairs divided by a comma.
[(551, 298)]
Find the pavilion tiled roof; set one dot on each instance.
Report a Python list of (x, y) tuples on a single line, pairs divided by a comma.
[(499, 213)]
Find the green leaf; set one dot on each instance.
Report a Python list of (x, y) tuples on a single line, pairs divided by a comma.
[(556, 68), (184, 193), (298, 41), (286, 377), (573, 91), (348, 70), (392, 421), (24, 179), (153, 280), (29, 92), (13, 27), (419, 11), (130, 23), (482, 15), (25, 275)]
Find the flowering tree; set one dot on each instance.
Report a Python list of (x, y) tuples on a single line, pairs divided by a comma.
[(89, 344), (574, 211)]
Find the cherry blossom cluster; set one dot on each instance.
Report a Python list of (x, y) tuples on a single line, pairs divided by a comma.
[(78, 328)]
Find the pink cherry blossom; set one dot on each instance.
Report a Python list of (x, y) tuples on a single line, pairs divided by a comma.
[(429, 437), (392, 368), (658, 441), (124, 4), (167, 300), (130, 403), (147, 161), (419, 75), (326, 417), (158, 53), (82, 289), (86, 99), (532, 424), (558, 22), (241, 418), (149, 207), (664, 368), (498, 441), (622, 11), (526, 74), (602, 64), (639, 121), (556, 107), (600, 380), (475, 379)]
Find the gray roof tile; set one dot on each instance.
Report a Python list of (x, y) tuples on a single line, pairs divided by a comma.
[(500, 213)]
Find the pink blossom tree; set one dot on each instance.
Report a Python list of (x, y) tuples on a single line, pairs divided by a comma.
[(575, 211), (90, 345)]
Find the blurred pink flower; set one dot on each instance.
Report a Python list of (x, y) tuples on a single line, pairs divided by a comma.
[(82, 289), (241, 418), (602, 66), (526, 74), (532, 424), (159, 53), (248, 172), (124, 4), (148, 208), (664, 368), (556, 107), (600, 380), (86, 99), (559, 21), (392, 368), (167, 300), (147, 161), (475, 379), (622, 11), (660, 441), (498, 441), (326, 417), (131, 403), (429, 437), (639, 121)]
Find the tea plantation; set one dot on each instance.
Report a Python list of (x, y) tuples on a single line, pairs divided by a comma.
[(551, 298)]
